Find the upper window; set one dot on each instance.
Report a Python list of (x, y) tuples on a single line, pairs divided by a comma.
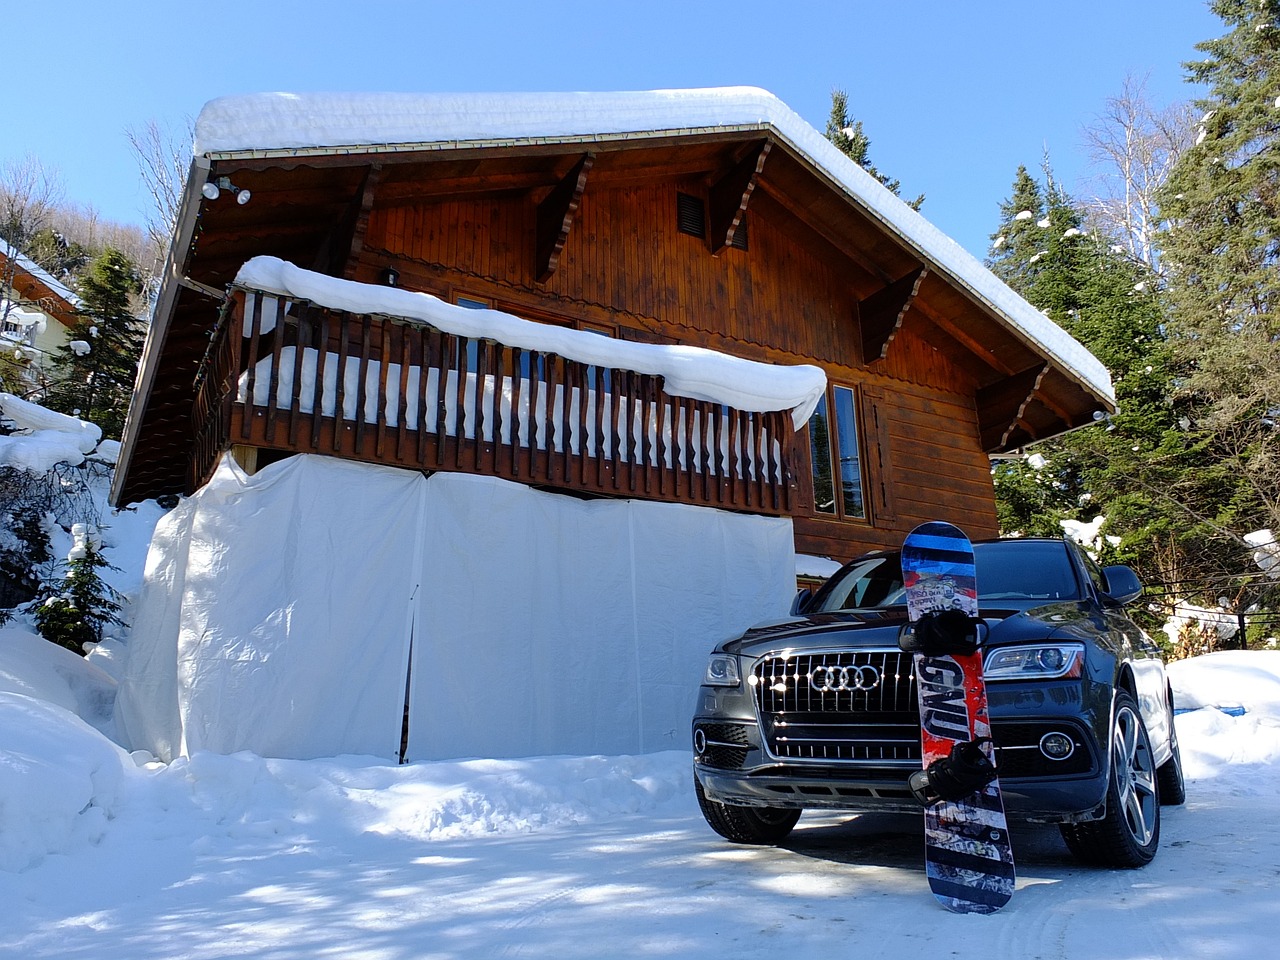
[(833, 447)]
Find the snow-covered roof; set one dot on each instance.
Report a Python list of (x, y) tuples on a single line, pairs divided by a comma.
[(300, 124), (27, 265), (687, 371)]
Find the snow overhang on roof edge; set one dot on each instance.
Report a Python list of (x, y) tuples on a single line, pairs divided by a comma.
[(295, 124), (693, 372)]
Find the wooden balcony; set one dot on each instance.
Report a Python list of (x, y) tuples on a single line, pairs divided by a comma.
[(288, 375)]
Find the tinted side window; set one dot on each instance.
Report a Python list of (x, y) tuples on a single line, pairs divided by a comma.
[(1095, 574)]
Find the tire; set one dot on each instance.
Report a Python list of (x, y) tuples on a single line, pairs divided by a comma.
[(1129, 834), (1169, 780), (758, 825)]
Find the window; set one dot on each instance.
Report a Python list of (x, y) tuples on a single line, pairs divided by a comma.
[(833, 449), (473, 352)]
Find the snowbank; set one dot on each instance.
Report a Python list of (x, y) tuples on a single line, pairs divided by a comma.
[(60, 779), (33, 667), (1229, 678), (42, 437)]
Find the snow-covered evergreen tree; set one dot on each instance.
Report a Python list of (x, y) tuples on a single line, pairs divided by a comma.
[(1136, 469), (82, 604), (98, 365), (1222, 258)]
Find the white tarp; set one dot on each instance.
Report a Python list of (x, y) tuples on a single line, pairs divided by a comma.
[(285, 628), (540, 623)]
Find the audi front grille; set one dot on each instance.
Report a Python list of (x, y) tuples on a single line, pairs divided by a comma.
[(839, 705)]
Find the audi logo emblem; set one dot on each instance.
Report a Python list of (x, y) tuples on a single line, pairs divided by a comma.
[(841, 679)]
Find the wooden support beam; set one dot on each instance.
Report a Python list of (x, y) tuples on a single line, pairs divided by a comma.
[(361, 219), (555, 217), (345, 238), (729, 195), (880, 315), (1002, 404)]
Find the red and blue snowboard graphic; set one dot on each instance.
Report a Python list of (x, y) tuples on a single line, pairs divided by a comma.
[(968, 858)]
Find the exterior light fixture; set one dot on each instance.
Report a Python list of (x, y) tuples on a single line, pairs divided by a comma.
[(390, 277), (212, 190)]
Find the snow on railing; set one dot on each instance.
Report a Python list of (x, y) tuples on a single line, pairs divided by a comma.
[(393, 390)]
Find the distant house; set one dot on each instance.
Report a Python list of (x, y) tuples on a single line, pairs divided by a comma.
[(37, 312), (596, 237)]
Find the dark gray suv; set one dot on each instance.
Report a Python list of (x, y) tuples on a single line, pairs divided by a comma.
[(820, 710)]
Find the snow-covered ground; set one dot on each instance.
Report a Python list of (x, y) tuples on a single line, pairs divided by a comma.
[(104, 854), (107, 855)]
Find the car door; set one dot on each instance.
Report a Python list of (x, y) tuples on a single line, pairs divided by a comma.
[(1140, 652)]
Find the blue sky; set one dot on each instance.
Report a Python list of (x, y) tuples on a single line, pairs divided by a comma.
[(953, 94)]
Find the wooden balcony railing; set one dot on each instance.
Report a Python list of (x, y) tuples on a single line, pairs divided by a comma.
[(291, 376)]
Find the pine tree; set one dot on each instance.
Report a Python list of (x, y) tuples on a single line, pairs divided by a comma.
[(1133, 468), (847, 136), (1221, 252), (83, 603), (97, 367)]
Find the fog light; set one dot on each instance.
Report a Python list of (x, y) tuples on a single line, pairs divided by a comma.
[(699, 742), (1057, 746)]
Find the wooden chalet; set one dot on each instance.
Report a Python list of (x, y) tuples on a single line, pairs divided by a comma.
[(37, 311), (717, 219)]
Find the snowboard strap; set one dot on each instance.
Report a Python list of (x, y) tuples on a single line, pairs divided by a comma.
[(964, 771), (942, 633)]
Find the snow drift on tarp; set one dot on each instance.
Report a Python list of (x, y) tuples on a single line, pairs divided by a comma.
[(279, 612)]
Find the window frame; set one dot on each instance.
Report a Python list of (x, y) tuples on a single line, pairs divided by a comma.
[(829, 403)]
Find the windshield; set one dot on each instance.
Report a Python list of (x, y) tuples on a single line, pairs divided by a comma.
[(1009, 570)]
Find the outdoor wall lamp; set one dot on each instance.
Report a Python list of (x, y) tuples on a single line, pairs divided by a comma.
[(390, 277), (213, 189)]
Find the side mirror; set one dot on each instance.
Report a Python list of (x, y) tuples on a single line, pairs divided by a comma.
[(801, 603), (1123, 585)]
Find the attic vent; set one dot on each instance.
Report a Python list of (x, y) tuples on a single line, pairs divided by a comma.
[(691, 215), (740, 236)]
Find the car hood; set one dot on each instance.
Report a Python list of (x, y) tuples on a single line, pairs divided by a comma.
[(871, 629)]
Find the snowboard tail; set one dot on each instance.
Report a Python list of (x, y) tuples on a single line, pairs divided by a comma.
[(968, 857)]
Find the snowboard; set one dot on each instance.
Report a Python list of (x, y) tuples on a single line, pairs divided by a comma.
[(968, 857)]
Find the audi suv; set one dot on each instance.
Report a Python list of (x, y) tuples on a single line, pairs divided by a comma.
[(820, 710)]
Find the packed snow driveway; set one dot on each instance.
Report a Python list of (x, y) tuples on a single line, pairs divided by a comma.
[(579, 858)]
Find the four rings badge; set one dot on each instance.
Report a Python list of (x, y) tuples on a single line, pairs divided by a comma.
[(839, 679)]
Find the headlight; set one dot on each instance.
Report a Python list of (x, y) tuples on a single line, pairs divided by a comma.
[(1040, 661), (722, 671)]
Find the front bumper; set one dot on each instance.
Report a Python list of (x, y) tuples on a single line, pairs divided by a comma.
[(735, 766)]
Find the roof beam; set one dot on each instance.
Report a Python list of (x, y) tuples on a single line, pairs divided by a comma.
[(1002, 404), (880, 315), (361, 224), (343, 241), (729, 195), (555, 217)]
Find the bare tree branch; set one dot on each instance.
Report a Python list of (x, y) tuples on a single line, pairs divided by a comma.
[(164, 157), (1134, 146)]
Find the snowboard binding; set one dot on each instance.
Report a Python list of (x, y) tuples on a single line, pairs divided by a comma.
[(940, 634), (965, 771)]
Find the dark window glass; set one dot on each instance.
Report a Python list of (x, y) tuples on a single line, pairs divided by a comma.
[(833, 453), (847, 445), (824, 498)]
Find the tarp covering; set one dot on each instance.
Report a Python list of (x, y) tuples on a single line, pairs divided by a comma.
[(279, 612)]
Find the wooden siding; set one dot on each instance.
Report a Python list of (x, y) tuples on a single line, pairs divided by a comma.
[(625, 256), (790, 297)]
